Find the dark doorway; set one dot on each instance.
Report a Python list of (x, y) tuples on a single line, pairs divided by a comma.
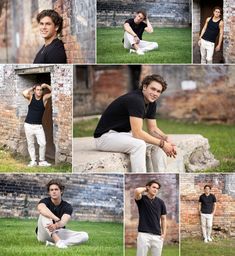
[(206, 11), (135, 71)]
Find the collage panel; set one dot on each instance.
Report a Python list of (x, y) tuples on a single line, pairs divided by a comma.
[(151, 214), (36, 120), (207, 214), (52, 31), (80, 213), (144, 31)]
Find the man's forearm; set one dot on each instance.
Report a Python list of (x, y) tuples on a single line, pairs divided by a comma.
[(149, 26), (27, 92), (128, 29), (47, 213), (163, 226), (159, 134)]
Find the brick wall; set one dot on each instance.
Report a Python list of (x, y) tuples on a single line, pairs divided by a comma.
[(22, 33), (14, 79), (161, 13), (94, 197), (191, 187), (169, 192)]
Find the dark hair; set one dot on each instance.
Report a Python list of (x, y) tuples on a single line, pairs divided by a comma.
[(219, 8), (55, 182), (148, 79), (207, 186), (142, 12), (149, 183), (56, 18)]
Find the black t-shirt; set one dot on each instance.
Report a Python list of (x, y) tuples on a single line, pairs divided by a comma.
[(207, 203), (137, 28), (52, 53), (117, 115), (150, 211), (36, 110), (212, 30)]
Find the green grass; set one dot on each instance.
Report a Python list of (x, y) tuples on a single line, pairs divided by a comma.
[(221, 138), (195, 247), (174, 46), (12, 162), (168, 250), (17, 237)]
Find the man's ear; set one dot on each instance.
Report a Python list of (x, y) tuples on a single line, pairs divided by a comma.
[(144, 87)]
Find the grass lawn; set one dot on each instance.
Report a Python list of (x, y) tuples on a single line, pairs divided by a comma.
[(193, 247), (17, 237), (11, 162), (174, 46), (220, 138), (168, 250)]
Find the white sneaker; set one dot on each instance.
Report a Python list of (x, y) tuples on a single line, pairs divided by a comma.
[(61, 245), (140, 52), (32, 163), (48, 243), (209, 239), (205, 240), (132, 51), (44, 163)]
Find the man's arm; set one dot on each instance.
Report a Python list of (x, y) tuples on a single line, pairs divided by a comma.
[(163, 226), (139, 192), (221, 34), (129, 30), (42, 208), (27, 93), (48, 95), (149, 27), (199, 207), (137, 132), (59, 224), (203, 31), (214, 208)]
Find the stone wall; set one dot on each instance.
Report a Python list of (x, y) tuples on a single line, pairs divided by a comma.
[(161, 13), (13, 80), (169, 192), (19, 31), (191, 187), (94, 197)]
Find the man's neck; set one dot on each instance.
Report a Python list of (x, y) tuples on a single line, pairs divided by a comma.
[(215, 19), (151, 196), (49, 40), (56, 201), (207, 194), (38, 97)]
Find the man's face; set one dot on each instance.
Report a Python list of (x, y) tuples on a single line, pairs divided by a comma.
[(55, 192), (207, 190), (153, 189), (217, 13), (139, 18), (38, 91), (47, 28), (152, 92)]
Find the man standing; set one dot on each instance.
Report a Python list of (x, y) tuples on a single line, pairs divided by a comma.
[(207, 208), (134, 29), (54, 215), (50, 26), (120, 128), (152, 219), (213, 27), (33, 122)]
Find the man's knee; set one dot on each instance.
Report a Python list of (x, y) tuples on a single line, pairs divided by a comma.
[(85, 236)]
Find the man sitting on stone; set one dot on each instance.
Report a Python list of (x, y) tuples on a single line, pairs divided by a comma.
[(55, 213), (134, 29)]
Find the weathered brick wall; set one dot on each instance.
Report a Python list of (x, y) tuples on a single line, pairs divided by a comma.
[(161, 13), (191, 187), (169, 192), (78, 32), (14, 107), (94, 197)]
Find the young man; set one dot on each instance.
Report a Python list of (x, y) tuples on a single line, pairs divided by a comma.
[(33, 122), (134, 29), (152, 219), (213, 27), (207, 208), (50, 26), (54, 215), (120, 128)]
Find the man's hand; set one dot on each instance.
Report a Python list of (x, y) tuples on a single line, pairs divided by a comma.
[(163, 236), (52, 227), (136, 38), (169, 140), (217, 48), (168, 148)]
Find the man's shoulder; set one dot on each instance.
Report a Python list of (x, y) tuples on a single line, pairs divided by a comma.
[(131, 20), (161, 201), (45, 200), (65, 203)]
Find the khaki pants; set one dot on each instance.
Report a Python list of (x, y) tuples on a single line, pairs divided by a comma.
[(207, 51), (206, 221), (32, 131), (69, 237), (124, 142), (145, 46), (146, 242)]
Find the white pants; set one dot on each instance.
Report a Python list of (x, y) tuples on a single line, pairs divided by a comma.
[(69, 237), (124, 142), (207, 51), (32, 131), (147, 241), (145, 46), (206, 221)]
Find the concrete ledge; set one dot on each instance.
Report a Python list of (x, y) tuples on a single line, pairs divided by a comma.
[(193, 155)]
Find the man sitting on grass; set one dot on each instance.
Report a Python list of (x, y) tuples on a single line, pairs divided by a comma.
[(134, 29), (54, 215)]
